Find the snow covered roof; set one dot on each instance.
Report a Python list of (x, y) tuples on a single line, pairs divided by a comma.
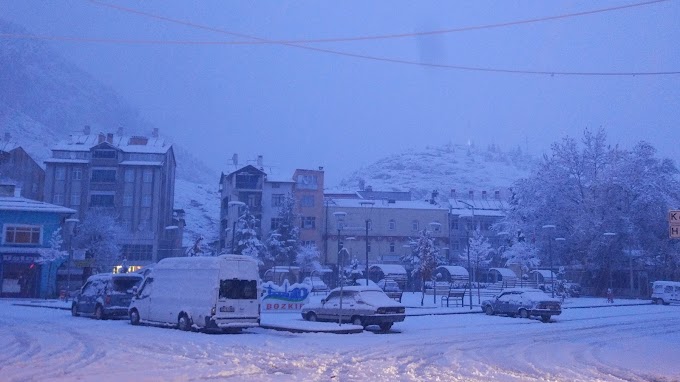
[(455, 271), (126, 143), (8, 146), (546, 273), (199, 262), (505, 272), (398, 204), (59, 160), (482, 207), (12, 203), (391, 269)]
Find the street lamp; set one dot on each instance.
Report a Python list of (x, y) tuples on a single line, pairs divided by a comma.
[(370, 205), (238, 205), (70, 226), (472, 208), (548, 228)]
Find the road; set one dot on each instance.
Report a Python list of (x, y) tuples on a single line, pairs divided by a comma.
[(631, 343)]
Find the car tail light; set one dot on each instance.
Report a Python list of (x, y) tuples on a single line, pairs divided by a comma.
[(381, 311), (107, 300)]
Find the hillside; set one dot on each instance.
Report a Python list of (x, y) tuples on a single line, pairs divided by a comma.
[(459, 167)]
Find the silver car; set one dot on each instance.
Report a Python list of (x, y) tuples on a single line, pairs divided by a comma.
[(523, 302), (361, 305)]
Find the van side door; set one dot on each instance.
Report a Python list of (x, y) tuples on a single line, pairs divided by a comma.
[(143, 298)]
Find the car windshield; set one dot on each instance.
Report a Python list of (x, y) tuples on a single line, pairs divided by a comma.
[(238, 289), (125, 284)]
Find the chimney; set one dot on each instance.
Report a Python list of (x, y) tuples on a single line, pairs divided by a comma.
[(8, 136), (109, 137), (234, 159), (154, 132), (101, 138), (320, 168), (453, 193), (260, 159), (483, 194), (471, 194), (86, 130)]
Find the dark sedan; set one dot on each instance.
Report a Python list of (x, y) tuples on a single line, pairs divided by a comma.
[(523, 302)]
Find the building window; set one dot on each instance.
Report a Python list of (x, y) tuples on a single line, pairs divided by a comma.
[(307, 201), (454, 223), (456, 246), (22, 234), (136, 252), (307, 182), (127, 200), (247, 181), (392, 225), (146, 200), (436, 227), (147, 175), (277, 200), (99, 200), (77, 174), (309, 243), (75, 199), (414, 225), (276, 223), (59, 173), (58, 199), (104, 154), (129, 175), (392, 247), (103, 176), (308, 222)]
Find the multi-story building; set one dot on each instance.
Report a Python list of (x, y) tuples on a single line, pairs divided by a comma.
[(381, 230), (131, 177), (18, 167), (309, 199), (27, 226), (474, 211)]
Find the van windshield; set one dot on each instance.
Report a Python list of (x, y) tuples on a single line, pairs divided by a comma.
[(238, 289)]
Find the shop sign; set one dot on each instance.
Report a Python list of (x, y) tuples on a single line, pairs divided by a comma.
[(284, 298)]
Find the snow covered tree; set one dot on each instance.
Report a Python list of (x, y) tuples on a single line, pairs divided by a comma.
[(588, 188), (308, 260), (247, 238), (522, 254), (98, 235), (283, 243), (480, 250), (425, 258), (52, 256)]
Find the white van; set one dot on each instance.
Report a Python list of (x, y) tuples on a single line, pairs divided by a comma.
[(220, 292), (665, 292)]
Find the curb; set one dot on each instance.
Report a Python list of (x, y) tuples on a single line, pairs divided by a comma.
[(43, 306), (299, 330)]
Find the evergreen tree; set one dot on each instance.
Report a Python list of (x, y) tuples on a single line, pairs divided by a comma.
[(283, 243), (247, 238), (425, 258)]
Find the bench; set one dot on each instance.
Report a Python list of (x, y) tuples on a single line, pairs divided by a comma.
[(455, 295)]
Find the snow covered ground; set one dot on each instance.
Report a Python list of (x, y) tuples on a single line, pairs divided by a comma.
[(612, 343)]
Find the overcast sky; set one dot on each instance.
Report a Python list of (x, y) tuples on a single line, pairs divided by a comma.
[(307, 108)]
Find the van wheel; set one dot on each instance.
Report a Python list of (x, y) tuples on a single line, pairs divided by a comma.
[(183, 323), (545, 318), (99, 312), (523, 313), (385, 327), (74, 310), (311, 316), (134, 317), (659, 301), (357, 321)]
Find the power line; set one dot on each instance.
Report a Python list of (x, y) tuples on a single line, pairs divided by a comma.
[(400, 61)]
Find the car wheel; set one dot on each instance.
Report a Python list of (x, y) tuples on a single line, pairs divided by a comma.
[(74, 310), (357, 321), (545, 318), (183, 323), (311, 316), (659, 301), (134, 317), (524, 313), (99, 312), (385, 327), (488, 310)]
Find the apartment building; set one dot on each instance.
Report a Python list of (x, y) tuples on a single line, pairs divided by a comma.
[(17, 167), (131, 177)]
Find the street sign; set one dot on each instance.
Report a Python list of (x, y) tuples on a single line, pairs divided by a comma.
[(674, 224)]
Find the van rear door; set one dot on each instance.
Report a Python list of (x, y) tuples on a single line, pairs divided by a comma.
[(239, 292)]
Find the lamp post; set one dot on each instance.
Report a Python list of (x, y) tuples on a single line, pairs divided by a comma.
[(368, 204), (238, 205), (70, 226), (472, 208), (548, 228)]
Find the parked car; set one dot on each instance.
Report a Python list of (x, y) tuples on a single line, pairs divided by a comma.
[(106, 295), (361, 305), (317, 284), (391, 288), (524, 302), (665, 292)]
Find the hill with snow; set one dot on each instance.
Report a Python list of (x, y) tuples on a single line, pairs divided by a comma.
[(445, 168)]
